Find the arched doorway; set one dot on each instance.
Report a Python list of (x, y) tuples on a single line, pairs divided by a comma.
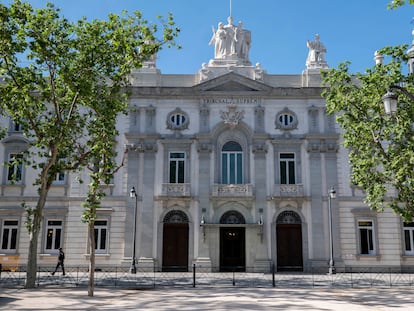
[(289, 242), (175, 242), (232, 242)]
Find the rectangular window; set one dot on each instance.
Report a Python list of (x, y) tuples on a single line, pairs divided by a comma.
[(59, 178), (409, 238), (366, 237), (15, 168), (287, 168), (9, 235), (53, 234), (177, 164), (15, 127), (101, 235)]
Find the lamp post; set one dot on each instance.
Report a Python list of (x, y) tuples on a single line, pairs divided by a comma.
[(133, 194), (331, 195), (390, 100)]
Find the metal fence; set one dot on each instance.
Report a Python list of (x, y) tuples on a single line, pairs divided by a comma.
[(120, 276)]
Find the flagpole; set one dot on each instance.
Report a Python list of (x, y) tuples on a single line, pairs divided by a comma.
[(230, 8)]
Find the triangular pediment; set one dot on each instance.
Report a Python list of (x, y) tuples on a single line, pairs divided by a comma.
[(232, 82)]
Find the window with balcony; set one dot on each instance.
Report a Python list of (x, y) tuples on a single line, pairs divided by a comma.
[(287, 168), (232, 163), (176, 167)]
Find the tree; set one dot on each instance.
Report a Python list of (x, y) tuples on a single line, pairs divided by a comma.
[(397, 3), (57, 77), (381, 146), (102, 167)]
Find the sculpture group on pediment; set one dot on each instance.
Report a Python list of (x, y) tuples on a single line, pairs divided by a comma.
[(230, 41)]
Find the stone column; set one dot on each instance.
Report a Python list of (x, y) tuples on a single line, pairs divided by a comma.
[(332, 181), (133, 158), (317, 238), (204, 154), (146, 220), (262, 262)]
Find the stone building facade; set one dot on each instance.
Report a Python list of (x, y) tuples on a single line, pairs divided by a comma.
[(231, 168)]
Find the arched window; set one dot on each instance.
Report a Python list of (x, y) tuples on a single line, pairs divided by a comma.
[(176, 217), (288, 217), (232, 163), (232, 218)]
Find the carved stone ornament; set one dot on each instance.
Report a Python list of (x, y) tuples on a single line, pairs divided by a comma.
[(232, 116), (204, 147)]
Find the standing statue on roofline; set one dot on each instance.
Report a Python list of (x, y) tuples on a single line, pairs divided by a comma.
[(316, 55)]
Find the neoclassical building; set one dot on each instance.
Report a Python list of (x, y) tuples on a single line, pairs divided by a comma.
[(231, 167)]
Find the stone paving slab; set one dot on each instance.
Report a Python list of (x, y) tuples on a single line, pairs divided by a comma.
[(217, 299)]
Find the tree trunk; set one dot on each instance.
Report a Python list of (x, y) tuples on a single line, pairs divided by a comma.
[(91, 284), (32, 261), (33, 242)]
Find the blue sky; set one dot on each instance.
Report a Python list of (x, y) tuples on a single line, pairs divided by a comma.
[(351, 30)]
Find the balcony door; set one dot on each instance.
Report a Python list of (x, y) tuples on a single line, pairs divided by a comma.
[(232, 163)]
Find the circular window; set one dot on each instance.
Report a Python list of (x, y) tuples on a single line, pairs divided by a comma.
[(177, 120), (286, 120)]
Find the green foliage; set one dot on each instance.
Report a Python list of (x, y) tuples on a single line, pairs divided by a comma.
[(397, 3), (29, 217), (64, 83), (381, 146)]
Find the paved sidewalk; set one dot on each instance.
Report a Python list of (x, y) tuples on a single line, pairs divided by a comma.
[(216, 298)]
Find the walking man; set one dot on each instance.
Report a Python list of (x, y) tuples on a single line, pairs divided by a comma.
[(61, 260)]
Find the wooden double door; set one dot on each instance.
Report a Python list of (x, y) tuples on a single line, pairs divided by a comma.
[(289, 247), (175, 247)]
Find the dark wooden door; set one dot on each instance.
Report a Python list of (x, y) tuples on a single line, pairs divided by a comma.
[(232, 249), (289, 247), (175, 247)]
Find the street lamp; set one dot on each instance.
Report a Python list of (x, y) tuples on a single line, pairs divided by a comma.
[(133, 194), (390, 100), (331, 195)]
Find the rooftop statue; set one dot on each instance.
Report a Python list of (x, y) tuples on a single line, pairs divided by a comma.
[(230, 41), (243, 41), (316, 55), (219, 40)]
